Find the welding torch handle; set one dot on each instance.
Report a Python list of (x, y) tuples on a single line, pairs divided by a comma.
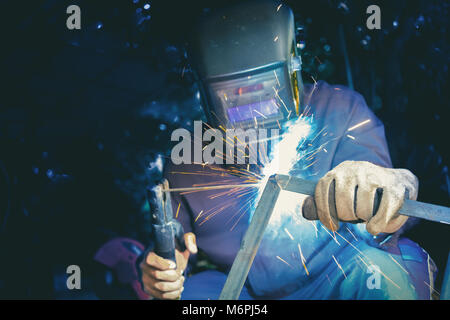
[(162, 224), (164, 240), (409, 208)]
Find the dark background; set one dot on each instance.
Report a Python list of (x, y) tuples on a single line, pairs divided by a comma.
[(85, 113)]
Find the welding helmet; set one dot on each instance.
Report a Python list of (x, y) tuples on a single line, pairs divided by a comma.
[(245, 60)]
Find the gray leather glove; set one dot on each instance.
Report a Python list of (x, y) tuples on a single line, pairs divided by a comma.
[(348, 191)]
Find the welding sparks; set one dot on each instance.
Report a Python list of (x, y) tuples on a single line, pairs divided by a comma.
[(198, 216), (284, 156), (432, 288), (359, 125), (260, 113), (294, 149), (333, 237), (339, 266), (315, 227), (328, 278), (281, 259), (178, 210), (351, 233), (403, 269), (289, 234), (361, 254), (302, 258)]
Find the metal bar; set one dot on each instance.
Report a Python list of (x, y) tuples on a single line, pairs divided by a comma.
[(295, 184), (410, 208), (249, 245)]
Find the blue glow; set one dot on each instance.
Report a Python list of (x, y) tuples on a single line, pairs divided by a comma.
[(50, 173), (252, 110)]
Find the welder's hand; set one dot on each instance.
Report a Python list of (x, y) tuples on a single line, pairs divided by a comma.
[(160, 277), (348, 191)]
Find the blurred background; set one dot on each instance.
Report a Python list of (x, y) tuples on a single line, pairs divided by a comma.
[(85, 116)]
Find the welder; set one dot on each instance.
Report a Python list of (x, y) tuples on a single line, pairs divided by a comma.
[(240, 53)]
